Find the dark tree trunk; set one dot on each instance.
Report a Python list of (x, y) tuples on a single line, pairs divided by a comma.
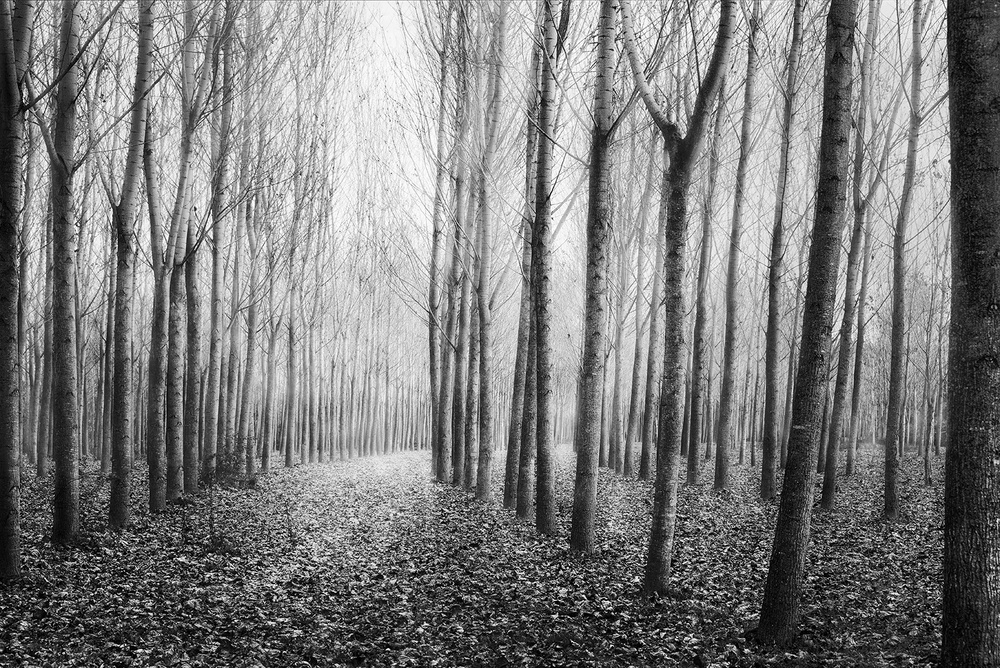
[(782, 592)]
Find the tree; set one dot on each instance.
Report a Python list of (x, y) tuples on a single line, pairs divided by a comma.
[(123, 401), (541, 259), (896, 382), (697, 376), (769, 442), (727, 390), (15, 37), (515, 445), (65, 417), (484, 473), (780, 607), (598, 229), (679, 155), (971, 626)]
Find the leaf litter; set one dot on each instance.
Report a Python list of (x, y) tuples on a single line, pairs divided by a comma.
[(369, 562)]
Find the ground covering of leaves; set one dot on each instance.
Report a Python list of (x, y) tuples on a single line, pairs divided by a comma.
[(370, 563)]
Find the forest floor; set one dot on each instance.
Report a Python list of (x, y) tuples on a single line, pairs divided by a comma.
[(370, 563)]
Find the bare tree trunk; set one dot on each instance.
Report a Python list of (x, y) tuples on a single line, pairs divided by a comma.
[(680, 154), (582, 533), (156, 399), (484, 473), (15, 37), (220, 144), (249, 379), (896, 382), (529, 430), (639, 359), (782, 592), (724, 447), (123, 402), (65, 418), (192, 400), (769, 445), (545, 511), (970, 623), (175, 385), (698, 371)]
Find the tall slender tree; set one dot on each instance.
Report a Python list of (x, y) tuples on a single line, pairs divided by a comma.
[(16, 20), (782, 592), (595, 318), (679, 156), (898, 332), (124, 213), (65, 407), (727, 389), (769, 442)]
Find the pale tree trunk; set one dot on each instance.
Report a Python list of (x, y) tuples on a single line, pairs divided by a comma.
[(65, 419), (484, 473), (699, 382), (193, 371), (654, 365), (616, 450), (472, 396), (582, 534), (971, 602), (723, 452), (855, 426), (220, 143), (545, 511), (43, 445), (15, 37), (514, 445), (166, 350), (107, 401), (632, 426), (460, 388), (437, 216), (782, 592), (291, 382), (249, 380), (193, 94), (529, 428), (680, 154), (123, 401), (769, 444), (928, 401), (898, 333), (227, 412), (176, 340), (156, 393)]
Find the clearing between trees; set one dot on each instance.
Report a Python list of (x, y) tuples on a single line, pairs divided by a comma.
[(369, 562)]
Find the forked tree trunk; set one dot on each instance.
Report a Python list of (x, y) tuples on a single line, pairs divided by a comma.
[(680, 154)]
